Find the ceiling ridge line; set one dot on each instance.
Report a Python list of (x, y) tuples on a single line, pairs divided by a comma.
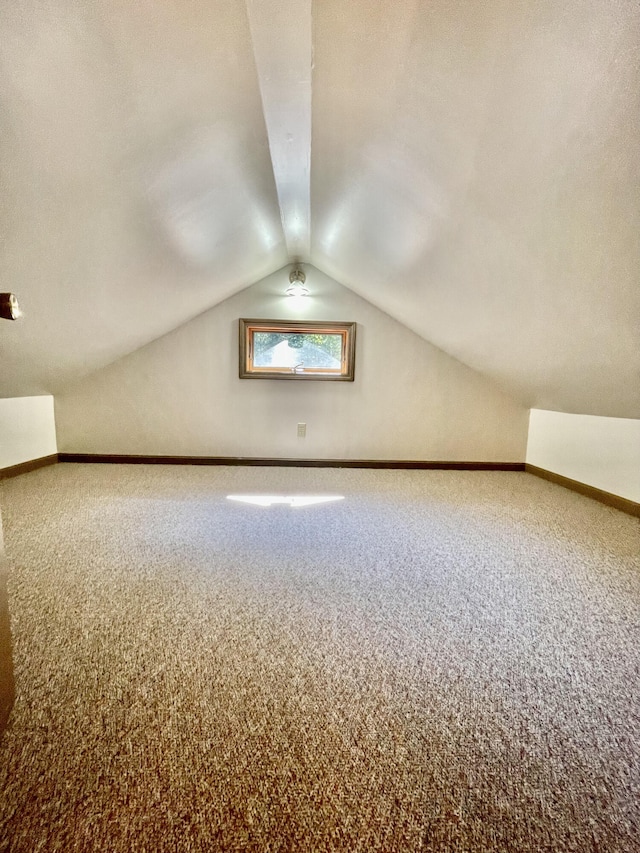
[(283, 55)]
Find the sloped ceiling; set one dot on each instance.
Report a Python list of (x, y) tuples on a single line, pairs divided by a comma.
[(137, 182), (473, 169)]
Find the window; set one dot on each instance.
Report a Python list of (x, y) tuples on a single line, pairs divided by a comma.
[(274, 349)]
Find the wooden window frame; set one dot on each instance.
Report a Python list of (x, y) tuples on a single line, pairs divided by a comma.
[(248, 327)]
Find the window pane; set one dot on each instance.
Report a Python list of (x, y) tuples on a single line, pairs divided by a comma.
[(297, 349)]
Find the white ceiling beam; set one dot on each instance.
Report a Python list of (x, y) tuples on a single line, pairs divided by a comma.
[(281, 35)]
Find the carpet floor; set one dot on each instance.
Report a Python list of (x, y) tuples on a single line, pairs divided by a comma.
[(442, 661)]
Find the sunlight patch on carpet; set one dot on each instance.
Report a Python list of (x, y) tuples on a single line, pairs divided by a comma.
[(291, 500)]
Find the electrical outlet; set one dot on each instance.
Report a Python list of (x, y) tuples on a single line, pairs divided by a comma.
[(302, 430)]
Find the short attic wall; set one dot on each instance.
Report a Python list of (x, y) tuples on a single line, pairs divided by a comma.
[(27, 430), (599, 452), (181, 394)]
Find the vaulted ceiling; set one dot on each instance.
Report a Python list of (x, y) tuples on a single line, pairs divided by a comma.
[(473, 169)]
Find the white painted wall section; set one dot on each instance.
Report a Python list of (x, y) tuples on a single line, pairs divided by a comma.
[(27, 429), (601, 452), (181, 395)]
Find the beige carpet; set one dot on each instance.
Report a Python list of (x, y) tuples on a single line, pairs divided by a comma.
[(443, 661)]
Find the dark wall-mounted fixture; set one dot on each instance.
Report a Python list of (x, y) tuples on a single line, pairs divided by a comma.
[(9, 308)]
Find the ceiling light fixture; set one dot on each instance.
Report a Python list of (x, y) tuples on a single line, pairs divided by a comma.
[(9, 308), (297, 286)]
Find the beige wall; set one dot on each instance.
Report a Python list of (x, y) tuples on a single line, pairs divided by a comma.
[(181, 394), (27, 429), (601, 452)]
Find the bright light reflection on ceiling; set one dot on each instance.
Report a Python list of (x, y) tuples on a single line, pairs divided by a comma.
[(297, 303), (291, 500)]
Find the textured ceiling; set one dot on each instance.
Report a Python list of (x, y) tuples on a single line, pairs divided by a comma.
[(473, 169)]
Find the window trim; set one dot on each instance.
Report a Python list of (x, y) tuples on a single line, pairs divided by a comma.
[(248, 327)]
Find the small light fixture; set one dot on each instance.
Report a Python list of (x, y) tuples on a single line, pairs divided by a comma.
[(297, 286), (9, 308)]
